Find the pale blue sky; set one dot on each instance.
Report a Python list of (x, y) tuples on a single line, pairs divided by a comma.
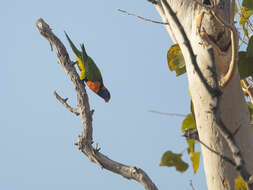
[(38, 134)]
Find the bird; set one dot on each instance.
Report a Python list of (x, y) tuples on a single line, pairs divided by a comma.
[(89, 72)]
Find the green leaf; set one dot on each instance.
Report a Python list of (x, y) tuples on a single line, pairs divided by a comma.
[(245, 14), (243, 85), (176, 60), (195, 157), (240, 184), (171, 159), (248, 4), (250, 107), (188, 123), (245, 64), (236, 9), (191, 145), (250, 48)]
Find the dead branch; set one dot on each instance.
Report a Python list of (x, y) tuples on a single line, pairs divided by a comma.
[(143, 18), (169, 114), (85, 140), (64, 102)]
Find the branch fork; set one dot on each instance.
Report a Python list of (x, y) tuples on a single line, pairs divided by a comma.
[(76, 111)]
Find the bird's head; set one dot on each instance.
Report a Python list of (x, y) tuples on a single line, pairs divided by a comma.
[(104, 93)]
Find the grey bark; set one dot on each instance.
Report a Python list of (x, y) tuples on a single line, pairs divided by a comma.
[(85, 140)]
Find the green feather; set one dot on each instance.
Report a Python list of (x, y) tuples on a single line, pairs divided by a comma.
[(75, 50), (78, 55), (92, 72)]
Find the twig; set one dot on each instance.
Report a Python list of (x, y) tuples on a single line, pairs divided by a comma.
[(140, 17), (170, 114), (85, 139), (236, 131), (191, 185), (242, 40), (248, 89), (158, 6), (250, 25), (64, 102), (227, 159), (191, 134)]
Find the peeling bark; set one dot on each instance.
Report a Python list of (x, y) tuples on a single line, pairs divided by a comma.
[(233, 109)]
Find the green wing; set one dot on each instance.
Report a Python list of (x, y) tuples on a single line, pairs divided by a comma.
[(92, 72)]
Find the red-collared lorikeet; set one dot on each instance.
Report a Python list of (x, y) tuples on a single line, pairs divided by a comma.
[(89, 72)]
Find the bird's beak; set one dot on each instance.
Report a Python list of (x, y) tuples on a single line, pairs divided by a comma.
[(106, 99)]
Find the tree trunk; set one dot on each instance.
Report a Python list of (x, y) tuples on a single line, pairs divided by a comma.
[(233, 108)]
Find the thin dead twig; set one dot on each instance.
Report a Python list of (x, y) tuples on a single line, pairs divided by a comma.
[(64, 102), (248, 89), (169, 114), (191, 185), (143, 18)]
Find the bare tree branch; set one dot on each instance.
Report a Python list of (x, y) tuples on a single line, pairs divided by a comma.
[(64, 102), (85, 140)]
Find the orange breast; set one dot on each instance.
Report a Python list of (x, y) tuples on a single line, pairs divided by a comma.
[(94, 86)]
